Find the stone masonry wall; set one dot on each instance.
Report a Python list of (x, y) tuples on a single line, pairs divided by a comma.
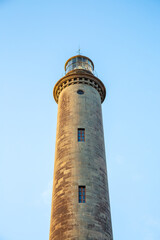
[(80, 163)]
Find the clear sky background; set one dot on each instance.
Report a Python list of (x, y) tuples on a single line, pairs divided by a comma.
[(122, 37)]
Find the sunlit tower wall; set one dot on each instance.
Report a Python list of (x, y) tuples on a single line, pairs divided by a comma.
[(80, 199)]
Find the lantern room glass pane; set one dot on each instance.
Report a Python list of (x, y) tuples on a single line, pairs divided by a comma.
[(79, 63)]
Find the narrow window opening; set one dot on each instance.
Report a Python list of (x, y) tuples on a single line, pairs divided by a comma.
[(81, 135), (82, 194)]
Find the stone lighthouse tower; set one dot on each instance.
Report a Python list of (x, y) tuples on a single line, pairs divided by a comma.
[(80, 200)]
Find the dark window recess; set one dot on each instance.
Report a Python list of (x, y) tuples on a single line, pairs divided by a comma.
[(82, 194), (80, 92), (81, 135)]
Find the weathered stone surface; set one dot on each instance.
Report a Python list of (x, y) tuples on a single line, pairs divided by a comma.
[(80, 163)]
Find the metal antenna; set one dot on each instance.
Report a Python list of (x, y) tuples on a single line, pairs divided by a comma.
[(79, 51)]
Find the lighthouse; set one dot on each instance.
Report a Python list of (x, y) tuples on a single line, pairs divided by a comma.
[(80, 207)]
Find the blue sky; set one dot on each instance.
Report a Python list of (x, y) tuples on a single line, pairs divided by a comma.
[(123, 40)]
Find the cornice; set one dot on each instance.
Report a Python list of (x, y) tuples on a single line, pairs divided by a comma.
[(79, 77)]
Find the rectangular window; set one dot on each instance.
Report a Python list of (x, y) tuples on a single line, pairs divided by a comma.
[(81, 135), (82, 194)]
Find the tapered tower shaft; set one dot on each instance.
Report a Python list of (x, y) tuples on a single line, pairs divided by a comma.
[(80, 200)]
